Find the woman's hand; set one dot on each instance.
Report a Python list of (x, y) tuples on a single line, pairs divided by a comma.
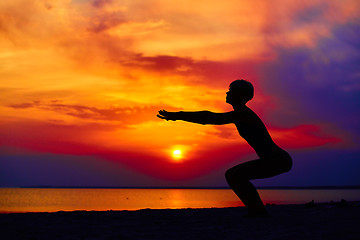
[(167, 115)]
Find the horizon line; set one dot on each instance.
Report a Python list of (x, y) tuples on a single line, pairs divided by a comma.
[(196, 187)]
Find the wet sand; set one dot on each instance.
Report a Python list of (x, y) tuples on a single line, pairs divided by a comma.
[(319, 221)]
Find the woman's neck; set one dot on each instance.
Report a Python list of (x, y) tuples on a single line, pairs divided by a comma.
[(239, 106)]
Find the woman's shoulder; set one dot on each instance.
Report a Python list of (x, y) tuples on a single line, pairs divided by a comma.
[(246, 115)]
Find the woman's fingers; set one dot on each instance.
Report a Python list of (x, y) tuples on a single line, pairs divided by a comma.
[(162, 117), (163, 114)]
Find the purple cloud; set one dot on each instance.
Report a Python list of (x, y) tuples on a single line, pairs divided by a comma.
[(318, 85)]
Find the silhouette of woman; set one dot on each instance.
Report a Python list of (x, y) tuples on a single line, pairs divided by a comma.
[(272, 159)]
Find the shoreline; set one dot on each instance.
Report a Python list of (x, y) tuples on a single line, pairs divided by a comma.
[(312, 204), (293, 221)]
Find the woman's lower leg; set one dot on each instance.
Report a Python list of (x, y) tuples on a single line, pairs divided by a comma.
[(248, 194)]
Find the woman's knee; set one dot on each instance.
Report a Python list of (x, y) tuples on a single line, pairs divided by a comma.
[(229, 175), (234, 176)]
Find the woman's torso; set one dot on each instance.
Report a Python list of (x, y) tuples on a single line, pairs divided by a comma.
[(253, 130)]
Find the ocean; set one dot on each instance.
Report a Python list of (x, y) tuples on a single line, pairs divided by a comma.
[(103, 199)]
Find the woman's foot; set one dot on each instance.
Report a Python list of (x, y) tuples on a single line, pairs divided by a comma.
[(257, 213)]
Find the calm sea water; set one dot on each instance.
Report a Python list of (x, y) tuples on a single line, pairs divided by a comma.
[(67, 199)]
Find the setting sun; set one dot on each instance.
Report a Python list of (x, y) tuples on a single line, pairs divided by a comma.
[(177, 153)]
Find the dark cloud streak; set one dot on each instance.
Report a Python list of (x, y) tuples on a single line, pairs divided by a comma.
[(101, 3), (211, 73), (125, 115)]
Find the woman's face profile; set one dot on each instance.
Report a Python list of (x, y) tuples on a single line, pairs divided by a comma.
[(230, 97), (227, 96)]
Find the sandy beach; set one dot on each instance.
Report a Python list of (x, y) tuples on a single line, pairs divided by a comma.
[(319, 221)]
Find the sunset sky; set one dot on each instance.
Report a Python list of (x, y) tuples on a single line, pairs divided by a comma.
[(81, 82)]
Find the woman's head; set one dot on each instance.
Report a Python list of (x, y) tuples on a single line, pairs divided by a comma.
[(240, 92)]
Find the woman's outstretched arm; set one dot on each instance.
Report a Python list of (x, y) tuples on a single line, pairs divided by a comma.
[(201, 117)]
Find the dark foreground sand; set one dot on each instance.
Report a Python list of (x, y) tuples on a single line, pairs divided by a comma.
[(322, 221)]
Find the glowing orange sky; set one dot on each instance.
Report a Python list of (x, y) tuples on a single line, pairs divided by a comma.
[(88, 77)]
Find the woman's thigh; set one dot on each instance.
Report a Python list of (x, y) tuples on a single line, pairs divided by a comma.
[(255, 169)]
